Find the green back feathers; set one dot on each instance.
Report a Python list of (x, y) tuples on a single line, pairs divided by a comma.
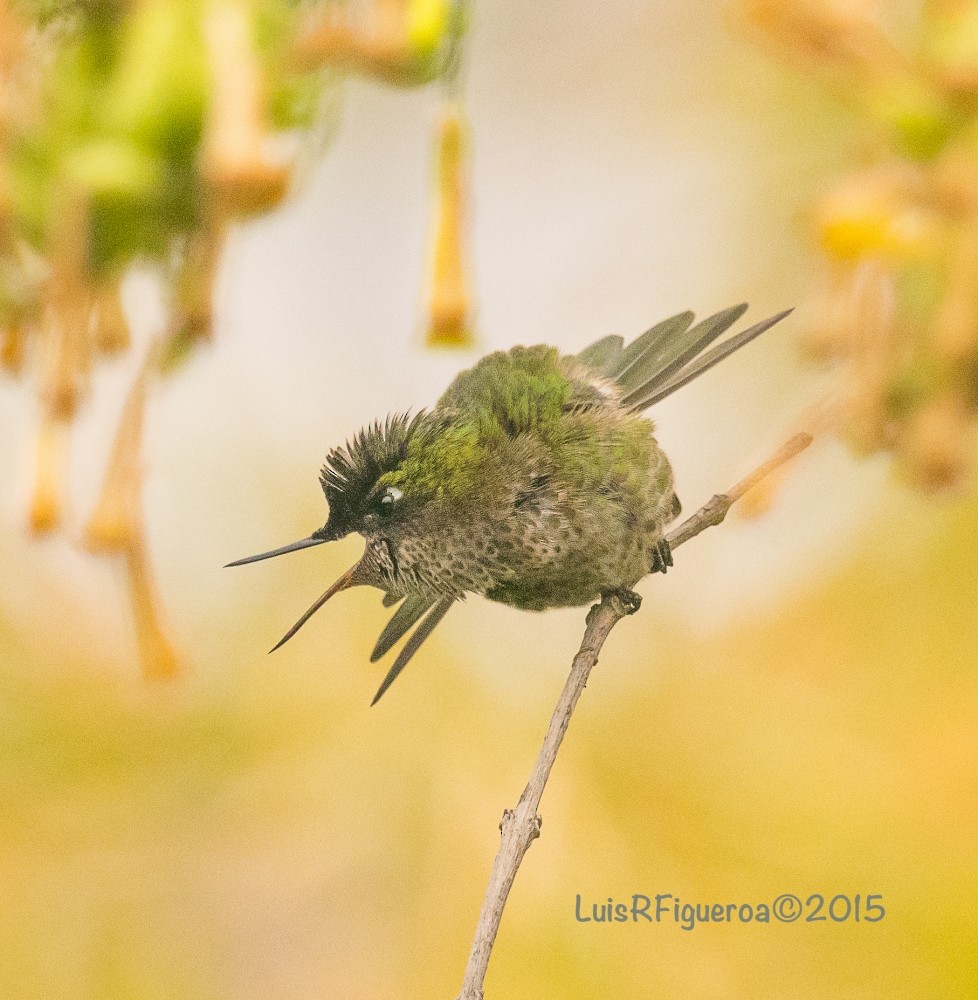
[(533, 393), (505, 395), (510, 393)]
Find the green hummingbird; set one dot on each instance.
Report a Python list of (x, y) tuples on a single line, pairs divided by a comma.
[(534, 481)]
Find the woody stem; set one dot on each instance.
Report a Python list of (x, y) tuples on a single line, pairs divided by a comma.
[(521, 826)]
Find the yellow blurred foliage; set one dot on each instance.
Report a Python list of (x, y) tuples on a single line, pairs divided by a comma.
[(270, 836)]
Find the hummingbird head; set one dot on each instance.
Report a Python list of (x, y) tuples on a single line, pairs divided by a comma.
[(352, 481), (353, 476), (355, 482)]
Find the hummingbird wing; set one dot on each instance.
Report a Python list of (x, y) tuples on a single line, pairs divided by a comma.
[(427, 626), (687, 360)]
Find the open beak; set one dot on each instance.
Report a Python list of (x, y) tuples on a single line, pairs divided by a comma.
[(348, 579), (303, 543)]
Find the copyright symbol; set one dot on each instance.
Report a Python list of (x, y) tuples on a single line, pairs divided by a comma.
[(787, 908)]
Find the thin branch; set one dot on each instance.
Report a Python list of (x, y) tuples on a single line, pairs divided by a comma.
[(521, 826)]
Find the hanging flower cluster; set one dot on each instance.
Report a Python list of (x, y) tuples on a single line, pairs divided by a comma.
[(134, 132), (410, 44), (899, 236)]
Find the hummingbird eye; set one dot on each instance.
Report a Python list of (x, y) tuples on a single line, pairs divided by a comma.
[(389, 497)]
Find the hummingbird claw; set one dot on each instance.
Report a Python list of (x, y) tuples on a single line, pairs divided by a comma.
[(628, 600), (661, 557)]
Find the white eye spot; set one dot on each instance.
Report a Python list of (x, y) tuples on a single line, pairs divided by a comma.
[(392, 495)]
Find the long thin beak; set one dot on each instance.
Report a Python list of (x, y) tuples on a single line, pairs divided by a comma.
[(348, 579), (303, 543)]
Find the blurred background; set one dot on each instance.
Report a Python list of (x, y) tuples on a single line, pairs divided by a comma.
[(234, 233)]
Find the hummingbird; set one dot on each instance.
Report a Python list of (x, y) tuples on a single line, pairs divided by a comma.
[(534, 481)]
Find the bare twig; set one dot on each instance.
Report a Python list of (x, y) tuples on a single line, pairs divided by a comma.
[(521, 826)]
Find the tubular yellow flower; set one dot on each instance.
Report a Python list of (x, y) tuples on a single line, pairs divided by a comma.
[(115, 522), (67, 349), (67, 341), (387, 28), (874, 214), (235, 163), (140, 138), (952, 44), (836, 34), (449, 321), (909, 336), (159, 659), (12, 347), (45, 507), (116, 526), (109, 320), (193, 295), (389, 42)]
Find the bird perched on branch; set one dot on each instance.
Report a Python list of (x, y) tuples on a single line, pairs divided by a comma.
[(535, 481)]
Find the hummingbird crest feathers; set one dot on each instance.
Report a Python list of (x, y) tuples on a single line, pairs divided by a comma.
[(351, 472)]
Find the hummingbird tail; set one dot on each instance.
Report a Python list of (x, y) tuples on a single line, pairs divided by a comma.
[(401, 622), (427, 626)]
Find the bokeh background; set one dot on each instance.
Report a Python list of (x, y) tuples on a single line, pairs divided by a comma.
[(793, 710)]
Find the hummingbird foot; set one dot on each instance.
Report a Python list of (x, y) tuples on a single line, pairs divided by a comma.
[(661, 557), (628, 600)]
